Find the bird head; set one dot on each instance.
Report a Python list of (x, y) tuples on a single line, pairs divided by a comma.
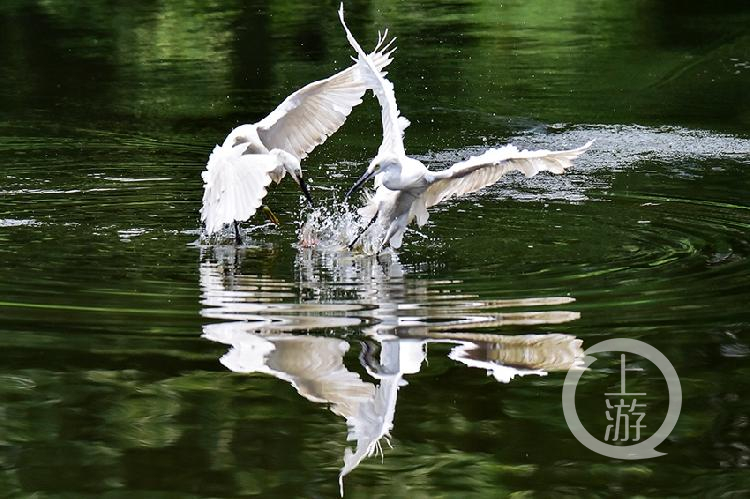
[(294, 169), (243, 135), (380, 163)]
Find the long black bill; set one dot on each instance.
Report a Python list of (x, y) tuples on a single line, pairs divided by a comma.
[(358, 184), (305, 190)]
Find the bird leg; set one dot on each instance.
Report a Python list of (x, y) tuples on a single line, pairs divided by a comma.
[(399, 224), (367, 355), (237, 237), (351, 244), (381, 248), (271, 216)]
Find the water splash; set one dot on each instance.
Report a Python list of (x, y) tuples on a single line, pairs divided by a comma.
[(332, 230)]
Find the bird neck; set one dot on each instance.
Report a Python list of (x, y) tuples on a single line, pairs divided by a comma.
[(401, 176), (289, 162), (247, 137)]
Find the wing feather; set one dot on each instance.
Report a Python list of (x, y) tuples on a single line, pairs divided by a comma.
[(480, 171), (307, 117), (234, 186), (393, 123)]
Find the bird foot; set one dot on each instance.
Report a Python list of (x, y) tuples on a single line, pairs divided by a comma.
[(270, 215)]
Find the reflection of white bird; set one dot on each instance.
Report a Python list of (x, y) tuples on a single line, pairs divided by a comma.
[(406, 188), (251, 156), (315, 367)]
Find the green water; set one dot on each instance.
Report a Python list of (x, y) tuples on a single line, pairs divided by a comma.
[(126, 345)]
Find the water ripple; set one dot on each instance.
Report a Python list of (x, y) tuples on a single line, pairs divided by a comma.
[(399, 317)]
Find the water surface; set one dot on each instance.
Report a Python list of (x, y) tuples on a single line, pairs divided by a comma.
[(137, 362)]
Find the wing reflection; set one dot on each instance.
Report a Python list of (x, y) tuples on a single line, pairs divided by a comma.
[(314, 365), (397, 315)]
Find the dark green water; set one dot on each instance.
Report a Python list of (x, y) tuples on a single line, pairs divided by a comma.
[(126, 347)]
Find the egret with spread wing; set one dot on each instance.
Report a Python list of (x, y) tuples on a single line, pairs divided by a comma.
[(406, 188), (239, 171)]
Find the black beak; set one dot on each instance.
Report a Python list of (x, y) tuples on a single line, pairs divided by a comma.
[(305, 190), (358, 184)]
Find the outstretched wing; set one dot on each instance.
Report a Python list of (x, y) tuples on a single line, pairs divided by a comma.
[(393, 123), (234, 186), (370, 424), (486, 169), (307, 117)]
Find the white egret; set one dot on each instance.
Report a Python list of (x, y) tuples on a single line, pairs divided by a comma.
[(239, 171), (406, 188)]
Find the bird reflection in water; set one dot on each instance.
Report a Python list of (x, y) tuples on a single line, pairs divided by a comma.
[(398, 317)]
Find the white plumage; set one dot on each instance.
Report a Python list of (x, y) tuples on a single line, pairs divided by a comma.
[(480, 171), (406, 188), (239, 171), (234, 186)]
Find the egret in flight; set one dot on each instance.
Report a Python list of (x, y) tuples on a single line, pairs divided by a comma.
[(406, 188), (239, 171)]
